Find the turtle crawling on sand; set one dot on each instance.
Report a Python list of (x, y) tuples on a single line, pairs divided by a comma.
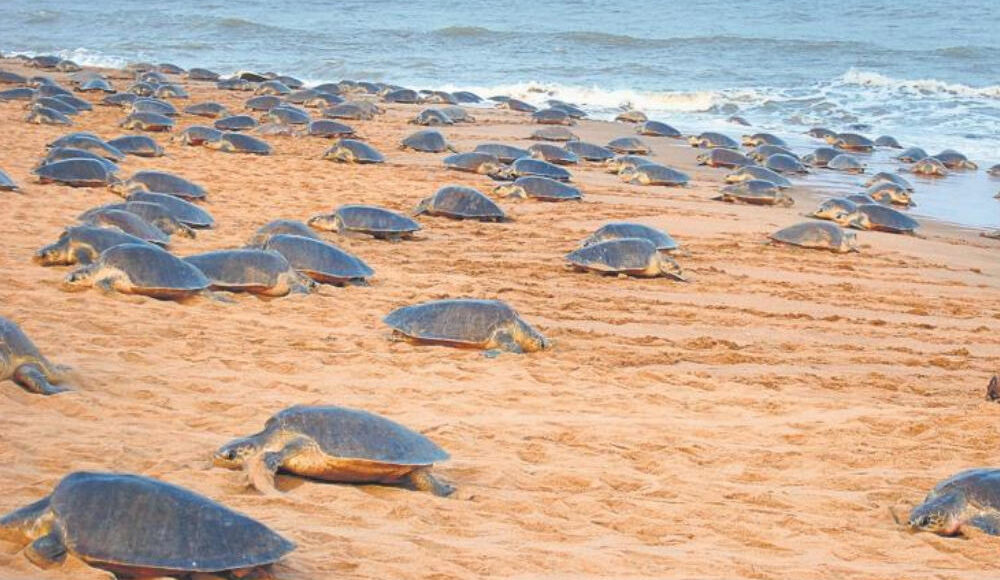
[(140, 269), (21, 362), (755, 192), (969, 498), (336, 444), (134, 526), (629, 256), (262, 272), (818, 236), (484, 324), (375, 221)]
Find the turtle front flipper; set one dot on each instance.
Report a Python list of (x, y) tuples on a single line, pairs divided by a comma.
[(47, 551), (422, 480), (263, 467), (506, 341), (989, 523), (33, 379)]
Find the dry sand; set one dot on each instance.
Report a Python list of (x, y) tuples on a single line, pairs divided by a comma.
[(757, 422)]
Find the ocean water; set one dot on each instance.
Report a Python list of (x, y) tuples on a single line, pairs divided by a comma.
[(926, 72)]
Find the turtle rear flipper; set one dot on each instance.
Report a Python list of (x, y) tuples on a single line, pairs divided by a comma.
[(422, 480), (47, 551), (33, 379)]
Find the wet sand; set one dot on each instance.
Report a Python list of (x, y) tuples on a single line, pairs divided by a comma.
[(757, 422)]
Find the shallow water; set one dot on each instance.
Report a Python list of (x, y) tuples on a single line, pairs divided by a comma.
[(925, 72)]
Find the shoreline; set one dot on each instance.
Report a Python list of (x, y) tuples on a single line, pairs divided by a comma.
[(757, 422)]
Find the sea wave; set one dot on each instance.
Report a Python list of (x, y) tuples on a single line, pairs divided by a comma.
[(918, 87), (464, 32)]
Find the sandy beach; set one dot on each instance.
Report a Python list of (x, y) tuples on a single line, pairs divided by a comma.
[(756, 422)]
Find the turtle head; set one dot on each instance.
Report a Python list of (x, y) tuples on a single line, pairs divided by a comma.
[(670, 268), (694, 141), (324, 222), (703, 159), (55, 254), (844, 218), (120, 187), (514, 191), (529, 339), (628, 174), (941, 515), (234, 454), (80, 278)]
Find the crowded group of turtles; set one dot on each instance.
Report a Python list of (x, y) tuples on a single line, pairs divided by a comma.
[(133, 525)]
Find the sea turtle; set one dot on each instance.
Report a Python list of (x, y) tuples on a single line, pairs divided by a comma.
[(81, 245), (458, 114), (631, 116), (300, 96), (353, 151), (159, 182), (234, 84), (142, 269), (239, 143), (236, 123), (623, 162), (12, 78), (738, 120), (887, 141), (755, 192), (76, 102), (757, 172), (969, 498), (474, 162), (153, 106), (467, 97), (64, 153), (658, 129), (286, 114), (568, 108), (517, 105), (40, 115), (528, 166), (279, 227), (860, 198), (264, 272), (169, 69), (211, 110), (912, 155), (272, 87), (88, 142), (541, 188), (817, 235), (141, 89), (851, 142), (930, 167), (138, 145), (629, 256), (833, 208), (6, 183), (758, 139), (846, 163), (18, 94), (183, 211), (336, 444), (551, 117), (589, 151), (459, 202), (378, 222), (553, 154), (469, 323), (891, 178), (504, 153), (722, 157), (352, 111), (710, 139), (329, 129), (553, 133), (432, 118), (889, 192), (618, 230), (654, 174), (629, 146), (782, 163), (262, 103), (821, 156), (56, 104), (954, 160), (760, 153), (134, 526), (994, 171), (405, 96), (322, 261), (76, 172), (127, 222), (426, 141), (159, 216), (879, 218), (198, 135), (123, 100), (277, 130), (147, 122), (23, 363)]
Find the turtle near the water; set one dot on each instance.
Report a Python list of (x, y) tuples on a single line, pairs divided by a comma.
[(474, 162), (930, 167), (722, 157), (262, 272), (969, 498), (353, 151), (629, 256), (483, 324), (954, 160), (654, 174), (140, 269), (755, 192), (135, 526), (23, 363), (818, 236), (629, 146), (846, 163), (710, 139), (756, 172), (553, 133), (375, 221), (658, 129), (833, 208), (879, 218), (239, 143), (336, 444)]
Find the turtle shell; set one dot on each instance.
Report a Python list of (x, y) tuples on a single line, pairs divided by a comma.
[(236, 123), (758, 139), (121, 522), (543, 188), (6, 183), (618, 230), (456, 201), (76, 173), (722, 157), (353, 151), (624, 255), (155, 106), (354, 434), (183, 211), (286, 114), (148, 122), (887, 141), (518, 105), (528, 166), (88, 142), (163, 182), (45, 116), (821, 133), (710, 139), (427, 141), (467, 97), (853, 142), (432, 117), (553, 133), (249, 270), (847, 163), (589, 151), (912, 155), (199, 135), (138, 145), (884, 176), (125, 221), (817, 235), (756, 192), (369, 219), (240, 143), (757, 172), (504, 153), (152, 271), (474, 162), (821, 156), (834, 207), (201, 74), (329, 129), (760, 153), (321, 261), (210, 110), (88, 242), (551, 116), (262, 102), (14, 343), (553, 154), (461, 322), (278, 227), (63, 153), (782, 163), (629, 146), (631, 117), (885, 219), (658, 129), (654, 174)]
